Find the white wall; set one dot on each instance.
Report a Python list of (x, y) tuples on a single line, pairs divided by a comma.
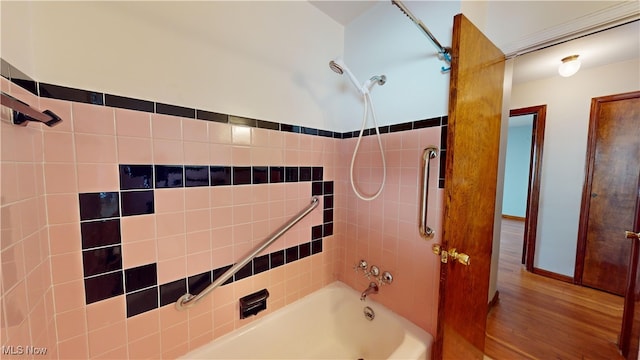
[(516, 174), (384, 41), (265, 60), (563, 164)]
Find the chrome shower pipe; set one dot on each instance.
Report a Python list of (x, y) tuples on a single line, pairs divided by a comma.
[(441, 49)]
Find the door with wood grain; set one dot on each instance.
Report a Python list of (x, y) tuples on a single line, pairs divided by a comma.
[(610, 192), (473, 141)]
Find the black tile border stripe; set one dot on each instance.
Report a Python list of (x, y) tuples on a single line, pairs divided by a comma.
[(97, 98)]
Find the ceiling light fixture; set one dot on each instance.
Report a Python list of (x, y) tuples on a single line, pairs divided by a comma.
[(570, 65)]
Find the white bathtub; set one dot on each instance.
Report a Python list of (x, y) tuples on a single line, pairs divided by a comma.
[(327, 324)]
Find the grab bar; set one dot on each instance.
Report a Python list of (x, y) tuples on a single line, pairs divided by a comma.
[(428, 154), (187, 300)]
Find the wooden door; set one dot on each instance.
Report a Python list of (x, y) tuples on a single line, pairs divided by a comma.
[(473, 141), (630, 330), (609, 195)]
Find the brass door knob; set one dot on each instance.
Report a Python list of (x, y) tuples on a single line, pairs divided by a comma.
[(632, 235)]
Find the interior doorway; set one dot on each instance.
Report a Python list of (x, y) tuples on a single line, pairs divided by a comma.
[(535, 117)]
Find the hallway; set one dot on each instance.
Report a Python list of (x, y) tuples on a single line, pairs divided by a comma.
[(541, 318)]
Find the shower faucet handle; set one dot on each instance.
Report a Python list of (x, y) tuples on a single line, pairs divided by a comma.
[(385, 278), (373, 271), (362, 265)]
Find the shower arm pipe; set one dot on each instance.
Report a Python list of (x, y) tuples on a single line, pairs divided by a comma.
[(445, 52), (187, 300), (428, 153)]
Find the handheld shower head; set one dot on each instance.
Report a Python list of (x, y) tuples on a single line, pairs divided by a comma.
[(335, 67), (339, 67)]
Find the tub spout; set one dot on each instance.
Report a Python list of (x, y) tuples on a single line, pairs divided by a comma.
[(372, 289)]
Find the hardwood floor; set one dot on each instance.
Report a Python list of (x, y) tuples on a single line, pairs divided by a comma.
[(540, 318)]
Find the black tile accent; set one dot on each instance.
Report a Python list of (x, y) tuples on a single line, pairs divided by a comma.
[(276, 174), (103, 287), (137, 203), (401, 127), (220, 175), (142, 301), (316, 232), (445, 120), (384, 129), (244, 272), (212, 116), (290, 128), (172, 291), (199, 282), (277, 258), (291, 254), (317, 188), (328, 188), (309, 131), (327, 229), (347, 135), (268, 125), (196, 176), (216, 273), (317, 173), (237, 120), (140, 277), (305, 173), (128, 103), (443, 137), (260, 174), (441, 183), (426, 123), (100, 233), (261, 264), (443, 163), (304, 250), (29, 85), (327, 215), (100, 205), (337, 135), (241, 175), (71, 94), (101, 260), (136, 177), (328, 201), (325, 133), (169, 176), (316, 246), (17, 77), (175, 110), (291, 174)]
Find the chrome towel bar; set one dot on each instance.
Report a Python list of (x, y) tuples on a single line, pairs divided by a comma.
[(428, 154), (187, 300)]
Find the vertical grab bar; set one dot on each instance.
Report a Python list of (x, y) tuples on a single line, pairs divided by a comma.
[(427, 154)]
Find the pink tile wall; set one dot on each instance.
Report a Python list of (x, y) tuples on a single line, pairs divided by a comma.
[(191, 231), (196, 229), (385, 231), (26, 296)]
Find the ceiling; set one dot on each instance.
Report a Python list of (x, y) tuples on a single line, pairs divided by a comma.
[(597, 36)]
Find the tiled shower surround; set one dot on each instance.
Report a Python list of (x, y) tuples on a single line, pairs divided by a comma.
[(113, 214)]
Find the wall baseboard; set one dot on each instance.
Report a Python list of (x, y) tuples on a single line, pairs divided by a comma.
[(494, 301), (553, 275), (512, 217)]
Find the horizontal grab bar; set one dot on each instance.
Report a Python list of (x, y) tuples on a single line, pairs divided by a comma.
[(22, 112), (187, 300), (428, 154)]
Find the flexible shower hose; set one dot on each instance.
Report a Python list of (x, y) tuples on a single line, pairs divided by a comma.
[(368, 102)]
